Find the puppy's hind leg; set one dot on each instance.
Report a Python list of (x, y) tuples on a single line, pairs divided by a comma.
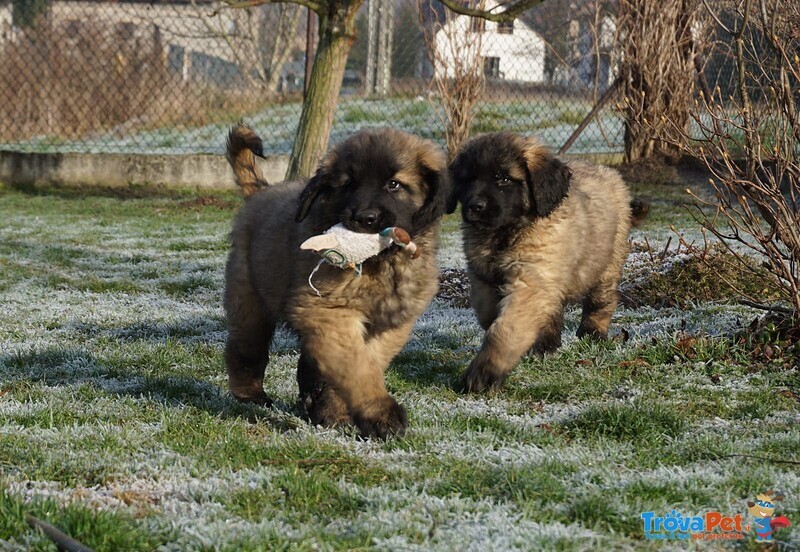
[(250, 331), (550, 339), (247, 356), (598, 306)]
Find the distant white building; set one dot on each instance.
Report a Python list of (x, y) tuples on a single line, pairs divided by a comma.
[(510, 51)]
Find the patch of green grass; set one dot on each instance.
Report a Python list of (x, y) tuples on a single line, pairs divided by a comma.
[(756, 405), (499, 429), (690, 348), (297, 492), (531, 487), (97, 529), (38, 460), (187, 285), (600, 511), (48, 363), (423, 369), (483, 124), (12, 273), (92, 284), (627, 422), (491, 118), (414, 109), (572, 116), (360, 114), (667, 495)]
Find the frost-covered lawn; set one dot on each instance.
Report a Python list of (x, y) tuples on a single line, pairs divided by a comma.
[(552, 119), (115, 424)]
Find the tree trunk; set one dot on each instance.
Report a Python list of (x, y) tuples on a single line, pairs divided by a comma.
[(337, 32)]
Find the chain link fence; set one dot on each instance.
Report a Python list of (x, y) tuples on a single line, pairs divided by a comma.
[(167, 76)]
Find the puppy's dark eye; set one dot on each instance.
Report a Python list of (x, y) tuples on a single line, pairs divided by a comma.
[(504, 181), (393, 186)]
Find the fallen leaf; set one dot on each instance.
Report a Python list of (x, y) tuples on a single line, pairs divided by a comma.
[(789, 394), (633, 363), (686, 346)]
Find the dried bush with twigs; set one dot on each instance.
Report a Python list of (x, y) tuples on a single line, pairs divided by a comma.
[(458, 80), (72, 80), (262, 42), (751, 143), (657, 72)]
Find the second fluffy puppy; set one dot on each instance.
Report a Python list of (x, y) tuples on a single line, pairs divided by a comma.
[(537, 233)]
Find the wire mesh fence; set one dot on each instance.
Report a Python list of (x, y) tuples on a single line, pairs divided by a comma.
[(171, 76)]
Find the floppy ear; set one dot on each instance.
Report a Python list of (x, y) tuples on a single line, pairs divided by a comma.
[(440, 192), (330, 174), (309, 194), (452, 171), (548, 179), (452, 196)]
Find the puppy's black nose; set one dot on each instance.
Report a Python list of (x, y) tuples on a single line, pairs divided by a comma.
[(368, 218), (477, 205)]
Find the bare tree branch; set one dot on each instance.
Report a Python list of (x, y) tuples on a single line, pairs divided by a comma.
[(502, 12), (310, 4)]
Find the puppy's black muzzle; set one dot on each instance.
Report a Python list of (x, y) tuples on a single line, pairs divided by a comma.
[(368, 221), (476, 211), (368, 218), (476, 206)]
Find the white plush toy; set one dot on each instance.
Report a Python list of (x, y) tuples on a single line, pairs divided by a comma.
[(347, 249)]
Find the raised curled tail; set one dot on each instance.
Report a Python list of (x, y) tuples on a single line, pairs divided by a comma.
[(639, 210), (243, 146)]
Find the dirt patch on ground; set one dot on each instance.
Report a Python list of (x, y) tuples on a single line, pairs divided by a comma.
[(662, 170), (678, 280), (454, 287)]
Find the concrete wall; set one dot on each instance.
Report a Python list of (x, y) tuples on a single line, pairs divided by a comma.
[(81, 169), (178, 171)]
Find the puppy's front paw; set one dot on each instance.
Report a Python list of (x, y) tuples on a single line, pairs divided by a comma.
[(481, 378), (381, 418)]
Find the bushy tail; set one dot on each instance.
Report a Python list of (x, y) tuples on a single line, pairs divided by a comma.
[(639, 210), (243, 146)]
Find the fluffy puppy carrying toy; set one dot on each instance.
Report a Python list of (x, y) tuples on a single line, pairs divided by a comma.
[(370, 193)]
